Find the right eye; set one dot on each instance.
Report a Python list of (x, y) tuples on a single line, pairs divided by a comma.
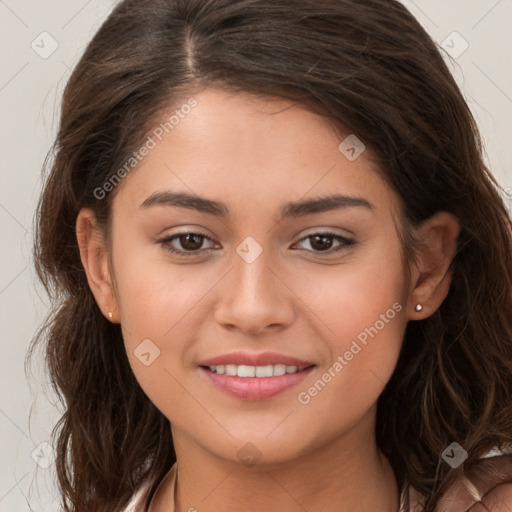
[(189, 241)]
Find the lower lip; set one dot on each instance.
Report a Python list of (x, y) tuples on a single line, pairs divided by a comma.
[(255, 388)]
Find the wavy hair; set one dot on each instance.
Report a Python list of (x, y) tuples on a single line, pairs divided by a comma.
[(370, 68)]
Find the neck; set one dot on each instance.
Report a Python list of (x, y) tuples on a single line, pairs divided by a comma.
[(343, 476)]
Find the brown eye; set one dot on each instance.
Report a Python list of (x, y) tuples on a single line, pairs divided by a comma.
[(189, 244), (191, 241), (323, 242)]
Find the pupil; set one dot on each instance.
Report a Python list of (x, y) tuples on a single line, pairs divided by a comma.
[(187, 244), (325, 242)]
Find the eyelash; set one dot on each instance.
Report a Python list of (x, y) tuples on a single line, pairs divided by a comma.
[(187, 254)]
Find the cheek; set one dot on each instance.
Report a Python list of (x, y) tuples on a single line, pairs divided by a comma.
[(355, 295), (153, 292), (158, 306), (363, 354), (163, 303), (364, 308)]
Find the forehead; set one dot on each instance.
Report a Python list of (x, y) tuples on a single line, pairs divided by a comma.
[(251, 150)]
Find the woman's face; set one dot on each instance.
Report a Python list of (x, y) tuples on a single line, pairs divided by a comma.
[(267, 279)]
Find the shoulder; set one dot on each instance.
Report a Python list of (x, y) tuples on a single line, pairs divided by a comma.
[(136, 504), (488, 487), (140, 498)]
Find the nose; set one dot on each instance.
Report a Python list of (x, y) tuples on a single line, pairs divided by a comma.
[(254, 298)]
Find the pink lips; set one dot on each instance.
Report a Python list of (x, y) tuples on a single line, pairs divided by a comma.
[(255, 388)]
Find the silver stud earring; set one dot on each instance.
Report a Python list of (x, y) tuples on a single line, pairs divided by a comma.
[(418, 307), (109, 314)]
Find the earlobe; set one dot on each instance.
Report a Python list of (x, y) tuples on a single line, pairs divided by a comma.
[(94, 257), (438, 236)]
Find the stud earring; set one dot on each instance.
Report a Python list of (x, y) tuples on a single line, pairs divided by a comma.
[(418, 307), (109, 314)]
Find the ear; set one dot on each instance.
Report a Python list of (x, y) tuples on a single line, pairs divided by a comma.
[(432, 275), (94, 256)]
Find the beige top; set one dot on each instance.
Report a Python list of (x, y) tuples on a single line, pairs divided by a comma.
[(137, 502)]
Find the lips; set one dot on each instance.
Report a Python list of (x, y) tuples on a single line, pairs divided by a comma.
[(254, 388), (287, 372)]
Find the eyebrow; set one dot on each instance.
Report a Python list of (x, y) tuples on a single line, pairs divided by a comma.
[(289, 210)]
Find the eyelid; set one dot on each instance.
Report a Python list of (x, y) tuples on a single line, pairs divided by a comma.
[(345, 233)]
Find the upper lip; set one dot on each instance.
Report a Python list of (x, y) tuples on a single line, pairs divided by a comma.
[(261, 359)]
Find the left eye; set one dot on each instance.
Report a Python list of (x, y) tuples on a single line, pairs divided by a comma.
[(322, 242)]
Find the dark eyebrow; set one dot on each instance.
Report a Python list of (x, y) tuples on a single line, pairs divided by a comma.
[(189, 201), (290, 210), (323, 204)]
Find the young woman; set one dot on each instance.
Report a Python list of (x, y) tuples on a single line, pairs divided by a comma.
[(281, 271)]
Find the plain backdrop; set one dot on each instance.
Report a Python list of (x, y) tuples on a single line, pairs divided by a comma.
[(40, 44)]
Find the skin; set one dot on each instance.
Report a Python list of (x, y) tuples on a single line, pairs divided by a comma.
[(255, 155)]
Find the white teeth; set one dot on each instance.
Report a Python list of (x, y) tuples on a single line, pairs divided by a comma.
[(243, 370), (264, 371), (231, 369), (279, 369), (246, 371)]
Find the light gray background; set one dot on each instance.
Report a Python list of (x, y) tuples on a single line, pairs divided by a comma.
[(30, 89)]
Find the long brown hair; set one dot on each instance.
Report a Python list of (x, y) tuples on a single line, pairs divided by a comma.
[(369, 67)]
